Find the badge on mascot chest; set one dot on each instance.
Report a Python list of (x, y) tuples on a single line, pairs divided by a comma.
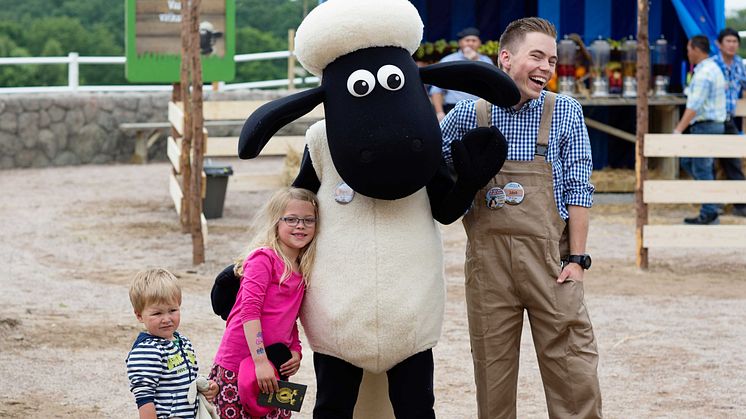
[(289, 397)]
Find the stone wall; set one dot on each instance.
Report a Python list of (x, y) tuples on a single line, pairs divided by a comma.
[(38, 130)]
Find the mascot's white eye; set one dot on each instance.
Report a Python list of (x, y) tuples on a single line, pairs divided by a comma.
[(391, 77), (360, 83)]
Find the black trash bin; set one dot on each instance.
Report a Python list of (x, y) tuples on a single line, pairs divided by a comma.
[(216, 185)]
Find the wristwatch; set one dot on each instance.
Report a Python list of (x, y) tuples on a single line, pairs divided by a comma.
[(583, 260)]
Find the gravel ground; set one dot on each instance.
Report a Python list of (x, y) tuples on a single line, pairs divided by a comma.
[(671, 339)]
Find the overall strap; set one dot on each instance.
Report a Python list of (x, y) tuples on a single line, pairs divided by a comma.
[(542, 140), (484, 113)]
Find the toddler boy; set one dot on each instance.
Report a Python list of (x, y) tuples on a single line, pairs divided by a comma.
[(162, 364)]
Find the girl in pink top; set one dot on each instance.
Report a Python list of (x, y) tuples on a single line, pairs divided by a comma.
[(261, 334)]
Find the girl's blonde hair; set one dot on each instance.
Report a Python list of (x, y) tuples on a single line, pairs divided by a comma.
[(265, 228), (154, 286)]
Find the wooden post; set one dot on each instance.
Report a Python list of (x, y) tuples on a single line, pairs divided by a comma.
[(641, 164), (291, 60), (186, 139), (195, 206)]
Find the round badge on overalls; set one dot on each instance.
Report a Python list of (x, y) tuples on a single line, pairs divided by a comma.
[(514, 193), (495, 198), (343, 194)]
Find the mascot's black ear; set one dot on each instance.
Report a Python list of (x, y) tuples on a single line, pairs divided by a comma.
[(478, 78), (270, 117)]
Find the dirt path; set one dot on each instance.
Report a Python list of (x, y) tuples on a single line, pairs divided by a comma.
[(671, 339)]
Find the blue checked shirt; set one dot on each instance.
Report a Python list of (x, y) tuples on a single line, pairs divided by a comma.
[(735, 76), (706, 92), (569, 149)]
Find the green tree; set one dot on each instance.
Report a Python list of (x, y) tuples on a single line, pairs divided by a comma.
[(249, 40), (53, 74), (96, 27), (15, 75), (275, 17)]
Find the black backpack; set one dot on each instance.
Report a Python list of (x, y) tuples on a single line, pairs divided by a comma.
[(224, 291)]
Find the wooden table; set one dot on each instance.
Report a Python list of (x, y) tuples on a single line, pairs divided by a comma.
[(664, 115)]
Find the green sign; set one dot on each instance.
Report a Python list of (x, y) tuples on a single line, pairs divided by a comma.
[(153, 40)]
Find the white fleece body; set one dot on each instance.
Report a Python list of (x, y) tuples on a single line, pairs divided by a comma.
[(377, 290)]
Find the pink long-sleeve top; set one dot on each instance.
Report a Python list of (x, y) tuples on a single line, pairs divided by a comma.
[(261, 297)]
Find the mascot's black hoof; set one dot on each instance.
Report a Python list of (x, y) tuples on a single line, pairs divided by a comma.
[(479, 156)]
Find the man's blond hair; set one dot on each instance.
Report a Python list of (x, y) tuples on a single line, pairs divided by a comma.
[(154, 286), (516, 31)]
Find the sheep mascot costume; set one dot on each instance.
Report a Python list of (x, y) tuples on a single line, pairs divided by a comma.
[(376, 298)]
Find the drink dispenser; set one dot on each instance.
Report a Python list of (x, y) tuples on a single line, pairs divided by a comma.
[(566, 66), (600, 50), (629, 64), (661, 67)]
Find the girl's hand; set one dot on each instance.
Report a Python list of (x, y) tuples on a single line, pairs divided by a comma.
[(211, 391), (265, 376), (291, 367)]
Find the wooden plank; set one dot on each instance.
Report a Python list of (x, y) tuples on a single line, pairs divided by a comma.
[(176, 116), (277, 146), (608, 129), (694, 191), (174, 189), (678, 236), (700, 145), (245, 182), (173, 151), (241, 109)]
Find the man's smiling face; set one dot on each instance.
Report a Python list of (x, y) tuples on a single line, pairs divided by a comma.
[(530, 63)]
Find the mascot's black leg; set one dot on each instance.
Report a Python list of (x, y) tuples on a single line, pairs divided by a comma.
[(411, 387), (337, 386)]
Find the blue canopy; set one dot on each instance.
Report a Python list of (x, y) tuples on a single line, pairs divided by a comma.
[(676, 20), (589, 18)]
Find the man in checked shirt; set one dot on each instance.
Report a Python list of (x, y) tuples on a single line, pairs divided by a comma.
[(527, 232)]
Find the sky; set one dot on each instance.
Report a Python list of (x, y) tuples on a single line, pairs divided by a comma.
[(732, 5)]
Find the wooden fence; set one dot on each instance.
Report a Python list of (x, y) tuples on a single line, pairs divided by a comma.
[(692, 191)]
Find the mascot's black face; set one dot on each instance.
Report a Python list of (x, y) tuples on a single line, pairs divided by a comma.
[(383, 133)]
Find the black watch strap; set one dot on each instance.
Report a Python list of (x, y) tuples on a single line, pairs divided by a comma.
[(583, 260)]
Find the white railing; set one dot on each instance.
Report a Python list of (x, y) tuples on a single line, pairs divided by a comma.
[(73, 60)]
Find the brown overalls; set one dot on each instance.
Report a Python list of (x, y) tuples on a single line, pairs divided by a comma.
[(512, 264)]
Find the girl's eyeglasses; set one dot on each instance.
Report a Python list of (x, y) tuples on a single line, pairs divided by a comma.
[(293, 221)]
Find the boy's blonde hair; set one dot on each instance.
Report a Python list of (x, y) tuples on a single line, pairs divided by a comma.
[(517, 30), (265, 228), (153, 286)]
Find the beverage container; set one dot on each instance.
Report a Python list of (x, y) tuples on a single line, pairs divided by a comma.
[(661, 67), (600, 51), (566, 66), (629, 64)]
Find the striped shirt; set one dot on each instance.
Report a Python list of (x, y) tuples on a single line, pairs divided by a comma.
[(160, 372), (451, 97), (735, 77), (706, 92), (569, 150)]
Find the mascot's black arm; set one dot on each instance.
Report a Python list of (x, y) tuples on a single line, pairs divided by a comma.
[(475, 77), (477, 158), (270, 117), (307, 178)]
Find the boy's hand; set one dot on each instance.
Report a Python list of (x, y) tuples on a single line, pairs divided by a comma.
[(211, 391), (265, 376), (291, 367)]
